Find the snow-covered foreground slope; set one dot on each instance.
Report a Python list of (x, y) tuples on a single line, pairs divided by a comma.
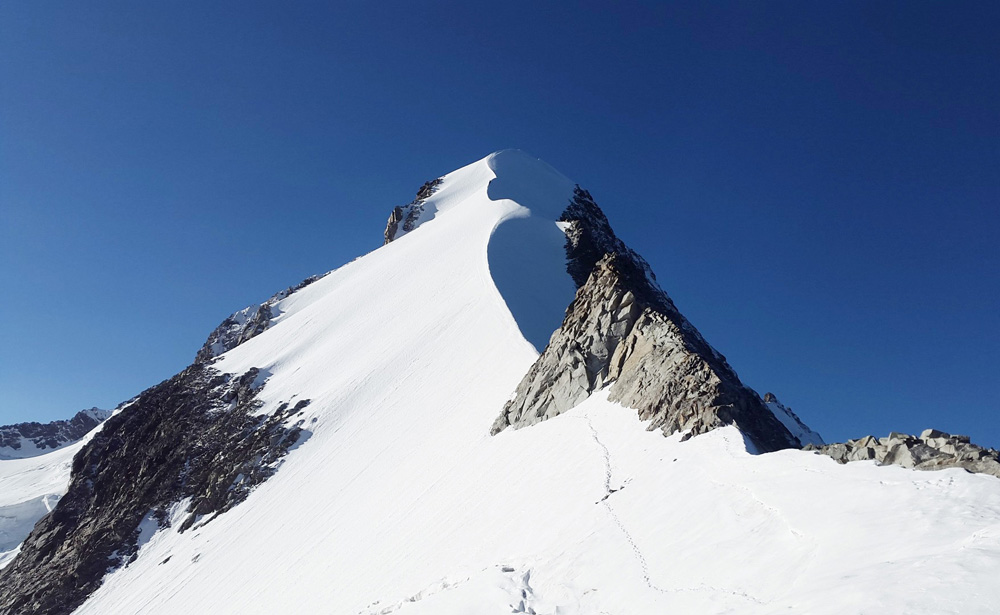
[(445, 524), (399, 500)]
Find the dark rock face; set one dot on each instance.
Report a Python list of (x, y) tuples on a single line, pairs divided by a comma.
[(241, 326), (193, 436), (589, 237), (933, 450), (47, 436), (622, 330), (405, 218)]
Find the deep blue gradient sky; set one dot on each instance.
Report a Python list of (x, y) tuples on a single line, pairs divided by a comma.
[(816, 184)]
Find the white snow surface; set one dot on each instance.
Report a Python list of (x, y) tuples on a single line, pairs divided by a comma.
[(29, 489), (401, 502)]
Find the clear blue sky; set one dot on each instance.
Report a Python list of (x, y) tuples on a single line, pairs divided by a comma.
[(817, 184)]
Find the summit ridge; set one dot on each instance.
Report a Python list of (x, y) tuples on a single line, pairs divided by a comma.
[(497, 410)]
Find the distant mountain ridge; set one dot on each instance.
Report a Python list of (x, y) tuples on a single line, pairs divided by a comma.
[(29, 439)]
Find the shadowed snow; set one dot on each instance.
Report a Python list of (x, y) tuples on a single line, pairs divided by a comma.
[(527, 254)]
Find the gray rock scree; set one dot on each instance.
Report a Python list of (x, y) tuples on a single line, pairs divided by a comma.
[(932, 450)]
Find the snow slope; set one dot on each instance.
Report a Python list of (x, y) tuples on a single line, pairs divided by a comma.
[(400, 501)]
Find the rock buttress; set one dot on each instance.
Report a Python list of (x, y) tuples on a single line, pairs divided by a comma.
[(624, 332)]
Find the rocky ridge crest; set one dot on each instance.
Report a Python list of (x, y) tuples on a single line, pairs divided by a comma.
[(404, 219), (932, 450), (624, 332), (245, 324)]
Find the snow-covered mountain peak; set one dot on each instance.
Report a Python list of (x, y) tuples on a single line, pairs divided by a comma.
[(562, 274), (506, 175), (337, 448)]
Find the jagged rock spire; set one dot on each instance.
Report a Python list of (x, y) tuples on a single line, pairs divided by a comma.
[(623, 331)]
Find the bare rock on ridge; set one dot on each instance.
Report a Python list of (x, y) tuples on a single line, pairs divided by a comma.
[(248, 323), (405, 218), (933, 450), (622, 330)]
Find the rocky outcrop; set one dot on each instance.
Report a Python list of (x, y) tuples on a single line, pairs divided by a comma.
[(589, 238), (404, 219), (932, 450), (622, 331), (30, 439), (248, 323), (196, 437)]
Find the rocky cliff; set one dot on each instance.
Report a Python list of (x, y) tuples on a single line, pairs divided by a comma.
[(622, 331)]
